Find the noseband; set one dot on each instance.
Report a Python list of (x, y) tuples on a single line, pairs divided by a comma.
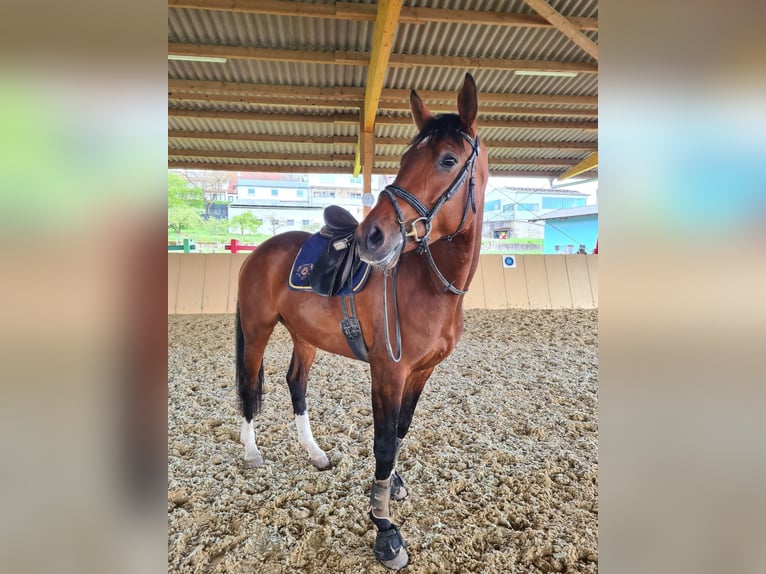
[(426, 217)]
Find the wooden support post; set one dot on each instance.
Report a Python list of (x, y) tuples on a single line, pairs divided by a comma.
[(368, 159)]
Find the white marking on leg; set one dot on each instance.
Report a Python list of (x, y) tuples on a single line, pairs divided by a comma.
[(253, 456), (317, 456)]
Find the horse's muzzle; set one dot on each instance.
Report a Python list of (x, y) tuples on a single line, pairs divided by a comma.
[(378, 248)]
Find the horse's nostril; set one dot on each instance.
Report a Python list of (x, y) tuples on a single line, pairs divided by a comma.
[(374, 238)]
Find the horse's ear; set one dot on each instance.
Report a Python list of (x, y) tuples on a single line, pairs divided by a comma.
[(420, 113), (468, 104)]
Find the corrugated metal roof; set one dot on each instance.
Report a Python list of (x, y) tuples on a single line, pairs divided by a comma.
[(222, 121), (570, 212)]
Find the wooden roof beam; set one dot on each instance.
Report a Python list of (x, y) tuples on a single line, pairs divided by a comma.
[(589, 163), (353, 11), (564, 26), (386, 22), (328, 103), (348, 58), (334, 158), (382, 42), (336, 140), (381, 120), (241, 166), (357, 94)]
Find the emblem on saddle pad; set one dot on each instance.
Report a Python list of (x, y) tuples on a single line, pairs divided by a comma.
[(303, 271)]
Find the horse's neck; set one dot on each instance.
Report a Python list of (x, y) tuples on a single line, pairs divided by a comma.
[(458, 259)]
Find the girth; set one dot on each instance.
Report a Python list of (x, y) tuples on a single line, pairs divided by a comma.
[(336, 268)]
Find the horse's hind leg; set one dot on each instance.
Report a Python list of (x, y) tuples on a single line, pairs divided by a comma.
[(251, 344), (297, 379)]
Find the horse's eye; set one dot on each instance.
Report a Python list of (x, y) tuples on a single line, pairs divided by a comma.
[(448, 161)]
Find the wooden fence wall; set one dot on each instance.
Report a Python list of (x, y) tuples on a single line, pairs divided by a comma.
[(207, 283)]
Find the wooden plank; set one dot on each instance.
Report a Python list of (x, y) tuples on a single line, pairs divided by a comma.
[(558, 281), (336, 140), (353, 93), (569, 29), (589, 163), (215, 295), (537, 282), (237, 259), (353, 118), (368, 155), (353, 58), (264, 167), (366, 12), (579, 282), (516, 293), (494, 282), (174, 267), (474, 299), (382, 42), (191, 281), (592, 261)]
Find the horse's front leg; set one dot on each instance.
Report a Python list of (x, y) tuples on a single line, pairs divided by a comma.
[(389, 546), (412, 388)]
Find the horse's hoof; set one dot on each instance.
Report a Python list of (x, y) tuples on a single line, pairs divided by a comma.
[(390, 549), (321, 462), (254, 462)]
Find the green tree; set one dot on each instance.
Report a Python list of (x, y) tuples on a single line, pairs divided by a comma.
[(182, 193), (217, 226), (185, 202), (247, 223), (183, 217)]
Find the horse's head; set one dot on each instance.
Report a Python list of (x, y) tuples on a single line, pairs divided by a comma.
[(439, 186)]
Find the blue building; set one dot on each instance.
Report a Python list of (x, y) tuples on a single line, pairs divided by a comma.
[(516, 211), (570, 230)]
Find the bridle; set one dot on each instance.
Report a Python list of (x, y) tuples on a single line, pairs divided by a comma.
[(426, 216)]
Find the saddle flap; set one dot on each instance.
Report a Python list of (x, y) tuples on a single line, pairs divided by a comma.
[(335, 266)]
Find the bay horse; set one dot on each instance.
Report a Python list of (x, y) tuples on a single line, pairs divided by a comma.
[(424, 237)]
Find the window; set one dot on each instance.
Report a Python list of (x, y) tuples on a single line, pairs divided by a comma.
[(301, 193), (305, 221), (531, 207), (274, 192), (562, 202), (493, 205), (250, 191), (290, 222), (508, 208)]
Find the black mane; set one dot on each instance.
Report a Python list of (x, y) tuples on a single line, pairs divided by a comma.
[(440, 126)]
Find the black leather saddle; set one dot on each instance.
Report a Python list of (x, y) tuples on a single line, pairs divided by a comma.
[(340, 261)]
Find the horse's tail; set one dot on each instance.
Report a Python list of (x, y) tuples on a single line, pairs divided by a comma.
[(250, 397)]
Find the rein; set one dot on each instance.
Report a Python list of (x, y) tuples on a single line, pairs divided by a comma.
[(426, 217)]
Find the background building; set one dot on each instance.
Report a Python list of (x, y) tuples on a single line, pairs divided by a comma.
[(511, 212), (287, 202), (570, 230)]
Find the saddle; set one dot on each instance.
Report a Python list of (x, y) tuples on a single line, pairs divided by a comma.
[(338, 270), (340, 261)]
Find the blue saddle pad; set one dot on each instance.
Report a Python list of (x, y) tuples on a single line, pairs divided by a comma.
[(304, 263)]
